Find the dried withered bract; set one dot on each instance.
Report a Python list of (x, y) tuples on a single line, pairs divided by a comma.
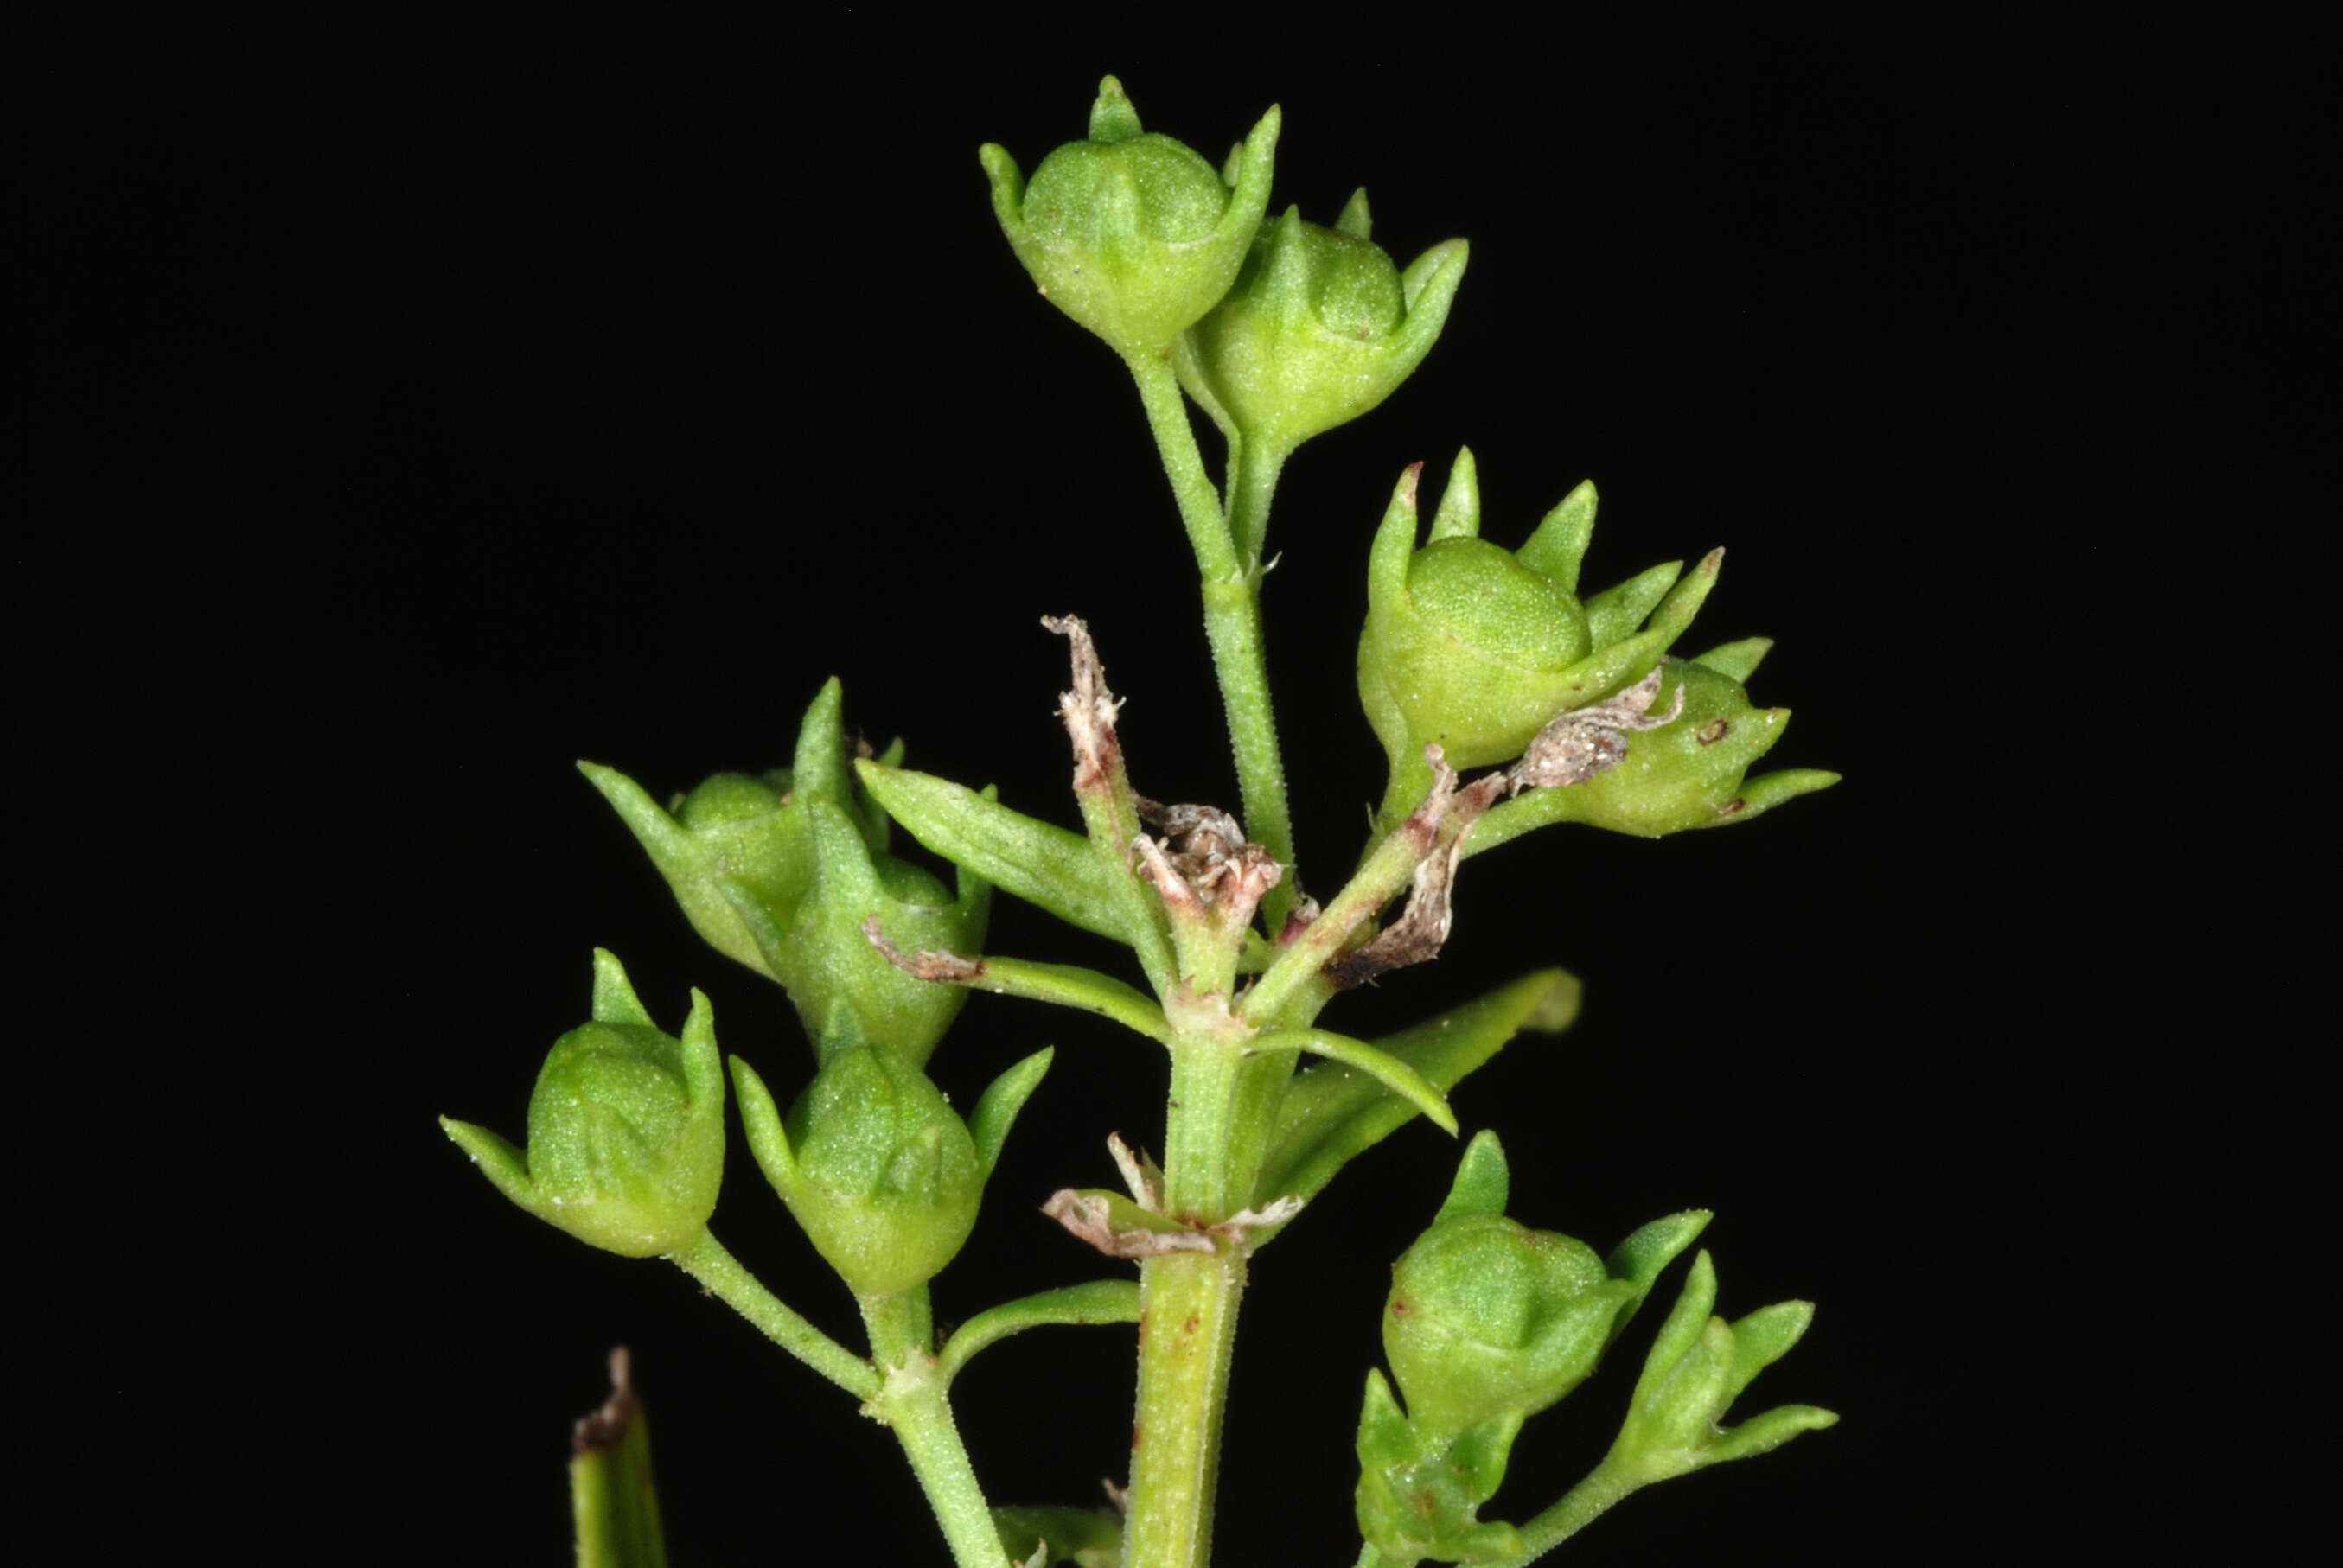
[(1446, 818), (926, 964), (1089, 710), (1204, 862), (1581, 742), (1203, 843)]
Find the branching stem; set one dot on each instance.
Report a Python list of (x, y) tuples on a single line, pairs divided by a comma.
[(707, 1262), (1232, 580), (912, 1400)]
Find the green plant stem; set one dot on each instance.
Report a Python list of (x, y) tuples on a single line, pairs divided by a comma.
[(1389, 867), (912, 1400), (707, 1260), (1257, 466), (1200, 1183), (1579, 1507), (1187, 1329), (1232, 620)]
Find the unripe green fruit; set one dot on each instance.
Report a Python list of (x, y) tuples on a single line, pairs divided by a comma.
[(1131, 233), (1473, 665), (1320, 329), (886, 1179), (614, 1143), (626, 1128), (1486, 1315), (1075, 200)]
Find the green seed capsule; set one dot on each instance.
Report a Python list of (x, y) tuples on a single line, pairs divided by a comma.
[(626, 1128), (1320, 329), (1132, 232), (1486, 1315)]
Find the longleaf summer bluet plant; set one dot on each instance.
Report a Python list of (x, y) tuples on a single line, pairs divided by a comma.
[(1566, 704)]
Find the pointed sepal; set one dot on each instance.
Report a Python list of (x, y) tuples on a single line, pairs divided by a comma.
[(1482, 1183), (1559, 545), (1459, 517), (996, 1110)]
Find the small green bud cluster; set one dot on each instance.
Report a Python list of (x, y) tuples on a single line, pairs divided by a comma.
[(1478, 648), (1697, 1367), (780, 873), (1280, 330), (626, 1128), (1488, 1322)]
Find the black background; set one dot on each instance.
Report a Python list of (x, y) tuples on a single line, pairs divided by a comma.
[(416, 415)]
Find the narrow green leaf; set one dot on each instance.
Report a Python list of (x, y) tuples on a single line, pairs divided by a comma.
[(1100, 1302), (1386, 1070), (996, 1110), (1333, 1113), (614, 1507), (1069, 985), (1041, 863)]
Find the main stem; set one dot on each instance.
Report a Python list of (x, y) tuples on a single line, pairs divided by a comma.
[(1188, 1318), (1187, 1330), (1232, 614), (912, 1400)]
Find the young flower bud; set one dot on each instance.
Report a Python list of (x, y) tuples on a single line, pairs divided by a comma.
[(1697, 1367), (1319, 329), (1131, 233), (881, 1173), (781, 873), (626, 1128), (1478, 647)]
